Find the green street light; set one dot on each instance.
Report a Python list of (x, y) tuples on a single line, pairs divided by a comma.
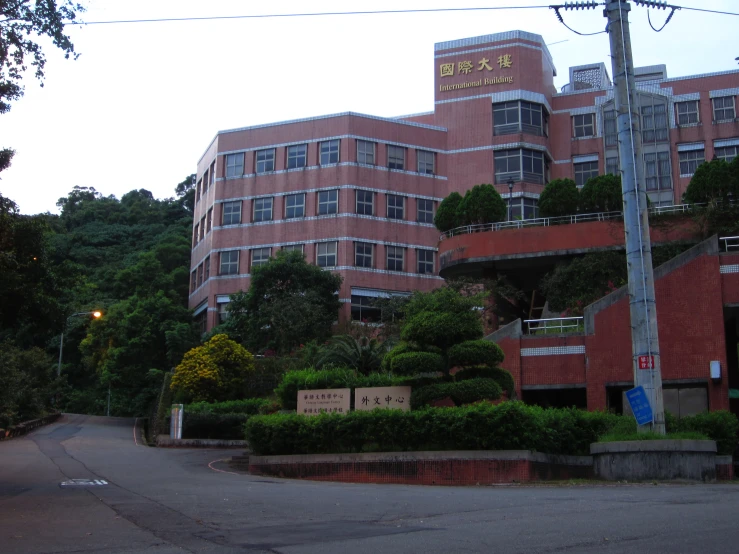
[(96, 314)]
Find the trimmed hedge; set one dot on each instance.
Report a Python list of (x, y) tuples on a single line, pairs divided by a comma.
[(251, 406), (313, 379), (397, 350), (721, 426), (501, 376), (462, 392), (412, 363), (475, 352), (508, 426)]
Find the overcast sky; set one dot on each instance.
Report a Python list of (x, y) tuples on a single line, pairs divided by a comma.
[(143, 101)]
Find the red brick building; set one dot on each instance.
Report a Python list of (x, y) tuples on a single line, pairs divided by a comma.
[(357, 193)]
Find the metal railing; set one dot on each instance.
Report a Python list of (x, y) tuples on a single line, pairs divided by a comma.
[(730, 243), (562, 220), (558, 325)]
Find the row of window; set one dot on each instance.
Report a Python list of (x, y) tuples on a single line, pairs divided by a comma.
[(296, 156), (263, 209), (326, 256)]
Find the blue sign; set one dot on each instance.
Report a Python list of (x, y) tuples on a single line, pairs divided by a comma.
[(639, 403)]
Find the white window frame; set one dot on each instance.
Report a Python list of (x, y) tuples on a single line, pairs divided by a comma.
[(360, 252), (583, 125), (326, 254), (231, 265), (329, 152), (394, 256), (724, 108), (235, 165), (297, 156), (722, 149), (260, 256), (363, 155), (691, 115), (689, 161), (267, 162), (423, 265), (364, 203), (428, 215), (581, 172), (654, 176), (396, 157), (393, 199), (426, 162), (231, 213), (328, 202), (261, 211), (294, 248), (298, 204)]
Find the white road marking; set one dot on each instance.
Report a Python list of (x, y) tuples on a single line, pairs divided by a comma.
[(83, 483)]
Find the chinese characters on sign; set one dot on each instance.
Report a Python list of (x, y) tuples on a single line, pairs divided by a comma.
[(639, 403), (646, 362), (326, 401), (367, 399), (469, 68)]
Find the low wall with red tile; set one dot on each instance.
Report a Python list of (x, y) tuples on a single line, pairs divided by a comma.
[(426, 468)]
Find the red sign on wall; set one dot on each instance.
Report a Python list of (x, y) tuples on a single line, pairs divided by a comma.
[(646, 362)]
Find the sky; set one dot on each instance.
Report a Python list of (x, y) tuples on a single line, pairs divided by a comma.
[(143, 101)]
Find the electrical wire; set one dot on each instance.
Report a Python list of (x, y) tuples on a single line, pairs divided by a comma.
[(669, 17), (704, 10), (562, 21), (308, 14)]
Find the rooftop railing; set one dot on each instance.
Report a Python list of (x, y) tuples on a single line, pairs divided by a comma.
[(562, 220), (731, 244), (558, 325)]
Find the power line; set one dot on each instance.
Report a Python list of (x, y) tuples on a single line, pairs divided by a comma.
[(705, 10), (311, 14)]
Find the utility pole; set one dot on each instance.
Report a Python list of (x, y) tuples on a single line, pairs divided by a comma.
[(644, 339)]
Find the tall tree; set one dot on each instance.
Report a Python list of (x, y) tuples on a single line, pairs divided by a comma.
[(22, 24), (288, 303)]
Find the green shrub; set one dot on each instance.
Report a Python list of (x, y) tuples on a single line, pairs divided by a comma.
[(447, 214), (601, 194), (508, 426), (650, 436), (412, 363), (475, 352), (336, 378), (250, 406), (501, 376), (720, 426), (482, 204), (200, 425), (462, 392), (559, 198), (397, 350)]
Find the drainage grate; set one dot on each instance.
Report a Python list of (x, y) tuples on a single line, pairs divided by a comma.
[(83, 483)]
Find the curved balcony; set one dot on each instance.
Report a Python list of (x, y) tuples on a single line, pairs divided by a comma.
[(537, 244)]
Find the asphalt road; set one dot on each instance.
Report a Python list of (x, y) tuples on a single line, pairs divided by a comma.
[(162, 501)]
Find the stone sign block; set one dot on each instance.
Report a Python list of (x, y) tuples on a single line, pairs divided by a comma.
[(333, 401), (397, 398)]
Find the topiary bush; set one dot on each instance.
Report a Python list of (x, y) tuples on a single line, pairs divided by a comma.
[(482, 204), (461, 392), (412, 363), (447, 214), (400, 348), (559, 198), (721, 426), (475, 352), (499, 375), (602, 194)]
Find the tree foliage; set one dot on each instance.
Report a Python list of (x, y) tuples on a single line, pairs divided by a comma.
[(22, 23), (362, 354), (714, 181), (215, 371), (601, 194), (447, 214), (482, 204), (559, 198), (289, 302), (26, 382)]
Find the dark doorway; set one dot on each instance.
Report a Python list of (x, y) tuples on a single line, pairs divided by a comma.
[(557, 398)]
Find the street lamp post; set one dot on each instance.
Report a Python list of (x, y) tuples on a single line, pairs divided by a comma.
[(96, 314), (510, 198)]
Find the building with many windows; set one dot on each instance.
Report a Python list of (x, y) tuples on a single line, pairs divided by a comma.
[(357, 193)]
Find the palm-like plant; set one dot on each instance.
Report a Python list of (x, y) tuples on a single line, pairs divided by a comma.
[(363, 354)]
